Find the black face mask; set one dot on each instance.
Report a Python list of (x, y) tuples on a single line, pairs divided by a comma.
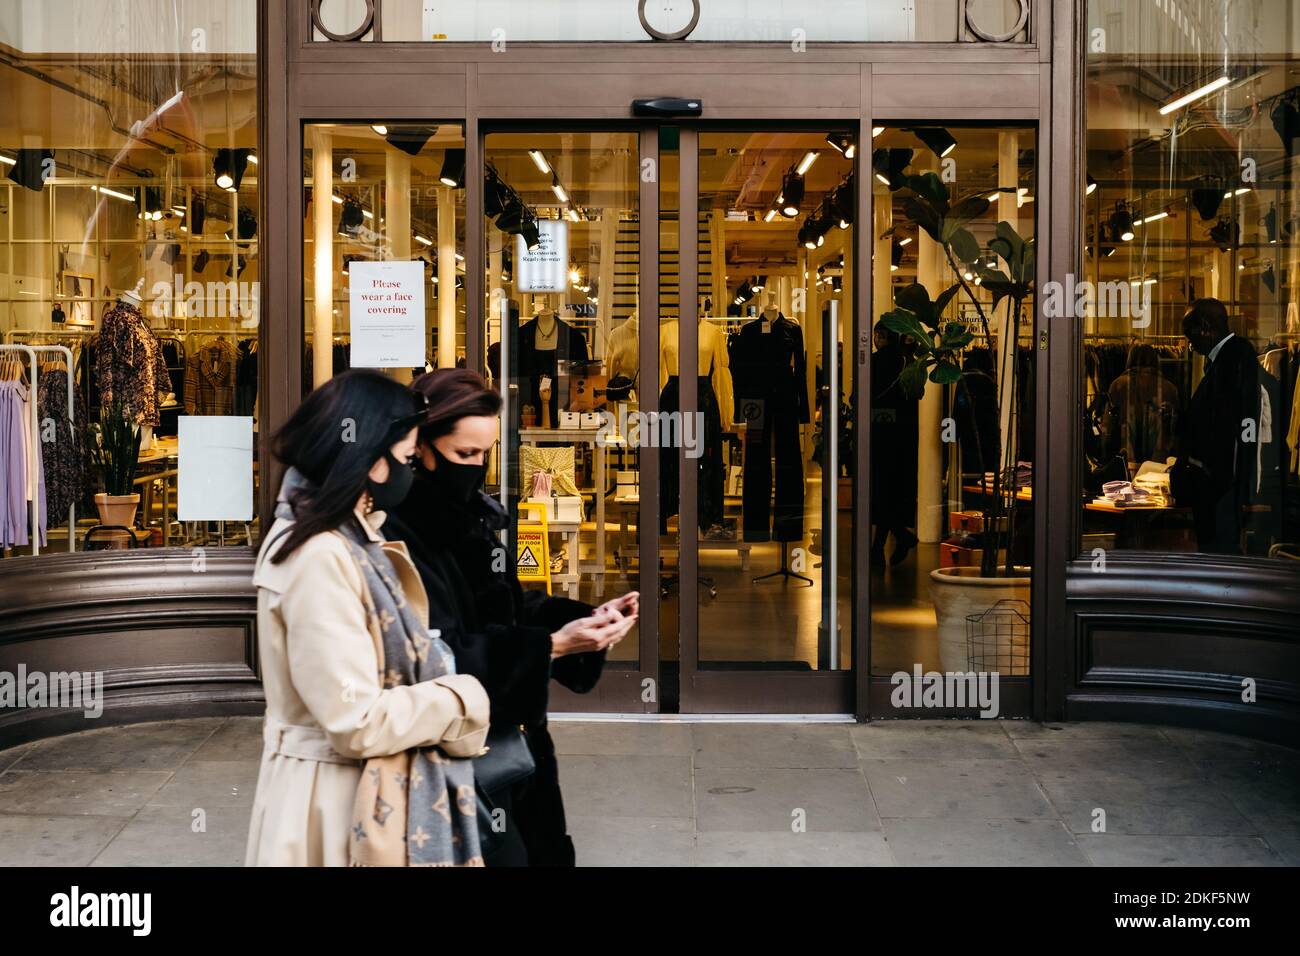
[(391, 493), (458, 480)]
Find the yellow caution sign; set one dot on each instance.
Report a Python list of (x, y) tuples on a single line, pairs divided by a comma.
[(532, 557)]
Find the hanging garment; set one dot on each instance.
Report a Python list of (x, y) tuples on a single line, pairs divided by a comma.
[(210, 379), (895, 423), (17, 490), (712, 471), (65, 468), (246, 377), (771, 385), (129, 364)]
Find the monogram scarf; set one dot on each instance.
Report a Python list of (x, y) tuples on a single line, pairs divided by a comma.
[(418, 807)]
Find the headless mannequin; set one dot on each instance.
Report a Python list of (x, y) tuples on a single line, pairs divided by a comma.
[(547, 337), (770, 312), (132, 297)]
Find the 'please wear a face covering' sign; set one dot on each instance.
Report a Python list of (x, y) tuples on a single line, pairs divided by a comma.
[(387, 314)]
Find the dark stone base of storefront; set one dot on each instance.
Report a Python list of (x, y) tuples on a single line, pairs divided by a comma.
[(671, 793)]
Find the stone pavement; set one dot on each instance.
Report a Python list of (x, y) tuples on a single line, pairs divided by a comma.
[(725, 794)]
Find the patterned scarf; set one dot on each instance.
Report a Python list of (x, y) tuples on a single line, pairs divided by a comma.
[(419, 807)]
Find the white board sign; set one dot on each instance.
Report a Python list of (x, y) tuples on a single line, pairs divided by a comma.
[(214, 459), (546, 267), (387, 314)]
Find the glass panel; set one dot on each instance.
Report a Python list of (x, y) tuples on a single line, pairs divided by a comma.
[(776, 214), (391, 193), (952, 406), (113, 116), (774, 21), (562, 263), (1191, 208)]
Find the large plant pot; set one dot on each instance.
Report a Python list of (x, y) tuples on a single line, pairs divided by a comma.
[(960, 592), (117, 509)]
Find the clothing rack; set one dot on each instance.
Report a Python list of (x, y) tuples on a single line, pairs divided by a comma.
[(31, 352)]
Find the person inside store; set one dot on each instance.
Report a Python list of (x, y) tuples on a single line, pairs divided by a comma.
[(513, 640), (369, 727), (1216, 469), (1141, 410), (895, 420)]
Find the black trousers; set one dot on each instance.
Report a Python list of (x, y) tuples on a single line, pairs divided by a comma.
[(712, 470), (772, 431)]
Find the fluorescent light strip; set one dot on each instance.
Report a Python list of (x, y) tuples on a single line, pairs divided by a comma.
[(805, 164), (560, 194), (420, 238), (1195, 95), (876, 131), (113, 192), (7, 161), (905, 240), (539, 160), (1151, 218)]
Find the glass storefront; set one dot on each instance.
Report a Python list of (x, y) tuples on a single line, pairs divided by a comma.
[(129, 275), (953, 399), (1191, 207)]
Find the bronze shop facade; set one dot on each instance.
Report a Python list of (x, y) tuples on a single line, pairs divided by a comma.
[(910, 447)]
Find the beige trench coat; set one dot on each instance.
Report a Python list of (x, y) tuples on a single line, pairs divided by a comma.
[(325, 708)]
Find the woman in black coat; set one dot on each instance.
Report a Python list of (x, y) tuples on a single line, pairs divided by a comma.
[(513, 640), (895, 421)]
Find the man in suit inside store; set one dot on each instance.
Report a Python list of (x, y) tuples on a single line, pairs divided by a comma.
[(1216, 472)]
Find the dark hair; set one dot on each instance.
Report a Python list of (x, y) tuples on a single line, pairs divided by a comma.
[(334, 438), (1143, 355), (453, 394), (891, 337), (1209, 314)]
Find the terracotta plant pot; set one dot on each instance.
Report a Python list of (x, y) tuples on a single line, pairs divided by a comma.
[(958, 592), (117, 509)]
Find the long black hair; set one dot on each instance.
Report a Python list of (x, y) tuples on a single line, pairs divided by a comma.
[(334, 438)]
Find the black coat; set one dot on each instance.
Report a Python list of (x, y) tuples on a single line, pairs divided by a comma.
[(500, 634)]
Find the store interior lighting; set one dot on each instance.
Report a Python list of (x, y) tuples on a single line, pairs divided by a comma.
[(1196, 94), (1121, 222), (1092, 186), (1207, 201), (937, 139), (1286, 118), (792, 191), (453, 168), (29, 167), (843, 143), (890, 165), (351, 218), (409, 139)]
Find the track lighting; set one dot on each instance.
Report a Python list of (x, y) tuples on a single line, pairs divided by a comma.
[(495, 194), (1121, 222), (149, 201), (1269, 222), (791, 194), (1226, 234), (29, 168), (938, 139), (530, 232), (453, 168), (409, 139), (228, 166), (379, 128), (247, 223), (539, 160), (1092, 186), (895, 254), (513, 214), (889, 165), (843, 143), (842, 204)]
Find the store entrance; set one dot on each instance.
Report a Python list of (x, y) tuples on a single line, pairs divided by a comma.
[(677, 401)]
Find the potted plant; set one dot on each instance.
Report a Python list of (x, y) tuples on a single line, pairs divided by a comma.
[(115, 450), (959, 592)]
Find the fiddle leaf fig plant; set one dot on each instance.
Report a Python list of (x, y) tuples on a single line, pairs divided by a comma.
[(939, 343)]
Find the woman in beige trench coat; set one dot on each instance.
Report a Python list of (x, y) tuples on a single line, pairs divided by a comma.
[(328, 714)]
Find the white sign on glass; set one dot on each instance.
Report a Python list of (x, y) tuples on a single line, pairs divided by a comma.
[(387, 314), (214, 461), (544, 268)]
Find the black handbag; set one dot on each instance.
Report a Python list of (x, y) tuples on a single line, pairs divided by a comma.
[(508, 761)]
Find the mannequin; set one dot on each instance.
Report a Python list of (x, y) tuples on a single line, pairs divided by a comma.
[(771, 387), (624, 349), (129, 364), (546, 344)]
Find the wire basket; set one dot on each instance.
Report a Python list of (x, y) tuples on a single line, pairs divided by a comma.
[(997, 640)]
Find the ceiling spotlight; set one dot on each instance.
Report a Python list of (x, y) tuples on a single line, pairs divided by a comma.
[(453, 168), (805, 164), (379, 128), (791, 195), (1207, 201), (228, 166), (843, 143), (938, 139), (530, 232), (513, 215), (495, 194), (889, 166), (409, 139), (1092, 186), (895, 254), (149, 201), (31, 167), (759, 282), (876, 131), (1121, 221), (1226, 234), (247, 223), (842, 204), (201, 261), (351, 218)]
